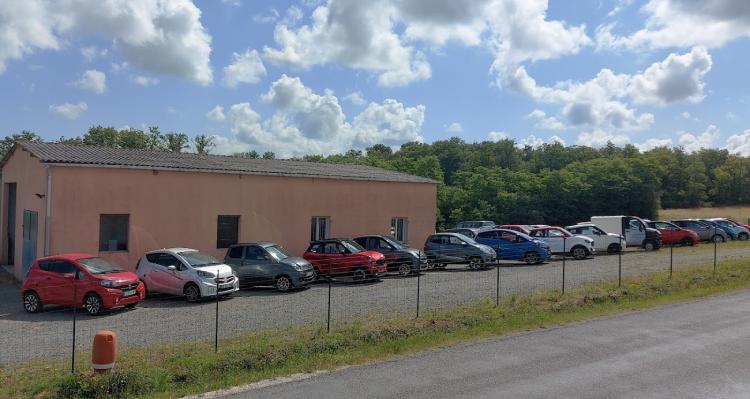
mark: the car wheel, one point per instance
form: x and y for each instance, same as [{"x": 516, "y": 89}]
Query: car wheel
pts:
[
  {"x": 717, "y": 238},
  {"x": 93, "y": 304},
  {"x": 531, "y": 258},
  {"x": 192, "y": 292},
  {"x": 283, "y": 284},
  {"x": 649, "y": 246},
  {"x": 130, "y": 306},
  {"x": 742, "y": 237},
  {"x": 441, "y": 266},
  {"x": 475, "y": 263},
  {"x": 614, "y": 248},
  {"x": 404, "y": 269},
  {"x": 687, "y": 242},
  {"x": 31, "y": 302},
  {"x": 360, "y": 275},
  {"x": 579, "y": 253}
]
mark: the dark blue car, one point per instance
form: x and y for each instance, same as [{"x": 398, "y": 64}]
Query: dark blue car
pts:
[{"x": 514, "y": 245}]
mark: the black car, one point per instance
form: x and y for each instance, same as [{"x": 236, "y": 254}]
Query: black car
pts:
[{"x": 398, "y": 256}]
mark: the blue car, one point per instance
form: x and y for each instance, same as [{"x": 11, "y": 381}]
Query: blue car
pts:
[
  {"x": 731, "y": 233},
  {"x": 514, "y": 245},
  {"x": 734, "y": 231}
]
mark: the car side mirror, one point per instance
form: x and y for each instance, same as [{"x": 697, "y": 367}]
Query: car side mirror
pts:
[
  {"x": 172, "y": 267},
  {"x": 69, "y": 276},
  {"x": 464, "y": 243}
]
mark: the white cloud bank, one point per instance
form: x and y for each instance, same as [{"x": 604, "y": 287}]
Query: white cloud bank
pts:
[
  {"x": 69, "y": 110},
  {"x": 93, "y": 81},
  {"x": 245, "y": 68},
  {"x": 163, "y": 36}
]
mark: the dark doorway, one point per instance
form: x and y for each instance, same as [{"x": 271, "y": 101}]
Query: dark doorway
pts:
[
  {"x": 10, "y": 188},
  {"x": 30, "y": 228}
]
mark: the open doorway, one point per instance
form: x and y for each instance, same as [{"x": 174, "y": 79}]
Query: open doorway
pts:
[{"x": 10, "y": 217}]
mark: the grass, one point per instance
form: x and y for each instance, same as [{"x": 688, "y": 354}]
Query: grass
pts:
[
  {"x": 168, "y": 371},
  {"x": 738, "y": 213}
]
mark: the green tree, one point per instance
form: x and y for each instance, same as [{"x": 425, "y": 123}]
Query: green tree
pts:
[
  {"x": 7, "y": 143},
  {"x": 154, "y": 139},
  {"x": 203, "y": 143},
  {"x": 176, "y": 142},
  {"x": 132, "y": 138},
  {"x": 249, "y": 154},
  {"x": 102, "y": 136},
  {"x": 269, "y": 155}
]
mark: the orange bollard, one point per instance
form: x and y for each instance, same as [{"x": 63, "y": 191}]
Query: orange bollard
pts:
[{"x": 104, "y": 351}]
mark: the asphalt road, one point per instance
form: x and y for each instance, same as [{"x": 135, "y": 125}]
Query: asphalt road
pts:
[
  {"x": 169, "y": 319},
  {"x": 693, "y": 350}
]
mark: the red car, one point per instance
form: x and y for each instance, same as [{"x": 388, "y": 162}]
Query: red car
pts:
[
  {"x": 337, "y": 257},
  {"x": 96, "y": 283},
  {"x": 671, "y": 234},
  {"x": 516, "y": 227}
]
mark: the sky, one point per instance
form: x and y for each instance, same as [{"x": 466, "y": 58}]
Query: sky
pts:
[{"x": 319, "y": 77}]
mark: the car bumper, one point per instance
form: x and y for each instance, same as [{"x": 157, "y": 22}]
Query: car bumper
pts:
[
  {"x": 115, "y": 298},
  {"x": 303, "y": 278},
  {"x": 208, "y": 288}
]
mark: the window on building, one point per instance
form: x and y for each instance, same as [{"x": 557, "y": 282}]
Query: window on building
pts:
[
  {"x": 320, "y": 228},
  {"x": 400, "y": 229},
  {"x": 228, "y": 231},
  {"x": 113, "y": 232}
]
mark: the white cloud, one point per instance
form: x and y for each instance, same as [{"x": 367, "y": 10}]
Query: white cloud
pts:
[
  {"x": 652, "y": 143},
  {"x": 91, "y": 53},
  {"x": 685, "y": 115},
  {"x": 677, "y": 78},
  {"x": 694, "y": 142},
  {"x": 730, "y": 115},
  {"x": 600, "y": 138},
  {"x": 144, "y": 81},
  {"x": 163, "y": 36},
  {"x": 307, "y": 122},
  {"x": 621, "y": 5},
  {"x": 216, "y": 114},
  {"x": 356, "y": 98},
  {"x": 545, "y": 122},
  {"x": 233, "y": 3},
  {"x": 93, "y": 81},
  {"x": 536, "y": 142},
  {"x": 497, "y": 136},
  {"x": 245, "y": 68},
  {"x": 739, "y": 143},
  {"x": 683, "y": 23},
  {"x": 68, "y": 110},
  {"x": 454, "y": 127}
]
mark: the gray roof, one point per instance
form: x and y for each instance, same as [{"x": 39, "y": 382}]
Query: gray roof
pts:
[{"x": 56, "y": 153}]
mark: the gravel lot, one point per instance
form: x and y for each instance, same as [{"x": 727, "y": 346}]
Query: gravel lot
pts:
[{"x": 166, "y": 319}]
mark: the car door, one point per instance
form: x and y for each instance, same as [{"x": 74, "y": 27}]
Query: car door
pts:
[
  {"x": 258, "y": 265},
  {"x": 508, "y": 243},
  {"x": 491, "y": 239},
  {"x": 557, "y": 241},
  {"x": 704, "y": 231},
  {"x": 634, "y": 232},
  {"x": 234, "y": 259},
  {"x": 378, "y": 244},
  {"x": 168, "y": 281},
  {"x": 455, "y": 248},
  {"x": 60, "y": 282}
]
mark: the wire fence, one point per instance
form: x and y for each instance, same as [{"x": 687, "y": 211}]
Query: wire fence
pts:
[{"x": 57, "y": 333}]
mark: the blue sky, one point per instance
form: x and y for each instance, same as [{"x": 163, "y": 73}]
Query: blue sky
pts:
[{"x": 315, "y": 76}]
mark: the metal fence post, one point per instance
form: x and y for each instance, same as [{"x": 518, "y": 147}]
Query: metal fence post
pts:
[
  {"x": 715, "y": 246},
  {"x": 328, "y": 320},
  {"x": 216, "y": 321},
  {"x": 497, "y": 285},
  {"x": 619, "y": 264},
  {"x": 671, "y": 260},
  {"x": 75, "y": 312},
  {"x": 565, "y": 248},
  {"x": 419, "y": 283}
]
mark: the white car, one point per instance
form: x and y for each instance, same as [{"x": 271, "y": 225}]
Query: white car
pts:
[
  {"x": 561, "y": 241},
  {"x": 603, "y": 241},
  {"x": 187, "y": 272}
]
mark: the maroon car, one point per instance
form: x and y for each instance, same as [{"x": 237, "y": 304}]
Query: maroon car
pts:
[{"x": 341, "y": 257}]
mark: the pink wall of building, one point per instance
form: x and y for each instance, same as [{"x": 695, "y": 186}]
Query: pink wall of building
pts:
[{"x": 180, "y": 209}]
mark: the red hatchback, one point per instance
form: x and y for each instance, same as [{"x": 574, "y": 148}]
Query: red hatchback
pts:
[
  {"x": 672, "y": 234},
  {"x": 96, "y": 283},
  {"x": 336, "y": 257}
]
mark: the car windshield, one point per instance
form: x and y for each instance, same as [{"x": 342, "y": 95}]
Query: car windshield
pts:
[
  {"x": 100, "y": 266},
  {"x": 199, "y": 259},
  {"x": 467, "y": 239},
  {"x": 394, "y": 243},
  {"x": 351, "y": 246},
  {"x": 277, "y": 252}
]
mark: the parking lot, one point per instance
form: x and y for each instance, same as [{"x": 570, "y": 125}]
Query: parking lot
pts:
[{"x": 163, "y": 319}]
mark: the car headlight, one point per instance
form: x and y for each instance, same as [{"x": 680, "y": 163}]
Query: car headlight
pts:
[
  {"x": 205, "y": 274},
  {"x": 107, "y": 283},
  {"x": 297, "y": 267}
]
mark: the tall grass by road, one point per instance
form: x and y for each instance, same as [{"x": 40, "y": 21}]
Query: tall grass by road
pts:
[
  {"x": 738, "y": 213},
  {"x": 168, "y": 371}
]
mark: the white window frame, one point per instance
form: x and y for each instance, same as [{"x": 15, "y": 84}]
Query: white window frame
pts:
[
  {"x": 403, "y": 234},
  {"x": 315, "y": 232}
]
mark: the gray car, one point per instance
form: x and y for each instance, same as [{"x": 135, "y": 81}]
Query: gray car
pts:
[
  {"x": 705, "y": 231},
  {"x": 444, "y": 248},
  {"x": 467, "y": 231},
  {"x": 398, "y": 256},
  {"x": 266, "y": 263}
]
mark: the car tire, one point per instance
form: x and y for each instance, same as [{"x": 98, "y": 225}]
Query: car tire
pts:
[
  {"x": 283, "y": 284},
  {"x": 687, "y": 242},
  {"x": 130, "y": 306},
  {"x": 579, "y": 253},
  {"x": 93, "y": 304},
  {"x": 31, "y": 302},
  {"x": 192, "y": 292},
  {"x": 404, "y": 269},
  {"x": 742, "y": 237},
  {"x": 532, "y": 258},
  {"x": 649, "y": 246},
  {"x": 441, "y": 266},
  {"x": 717, "y": 238},
  {"x": 359, "y": 274},
  {"x": 614, "y": 248},
  {"x": 475, "y": 263}
]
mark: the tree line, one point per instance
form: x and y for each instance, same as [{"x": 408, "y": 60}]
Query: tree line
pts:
[{"x": 501, "y": 181}]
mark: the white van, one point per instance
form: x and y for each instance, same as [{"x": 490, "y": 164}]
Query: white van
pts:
[{"x": 633, "y": 228}]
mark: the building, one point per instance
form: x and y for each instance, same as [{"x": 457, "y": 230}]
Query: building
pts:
[{"x": 120, "y": 203}]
